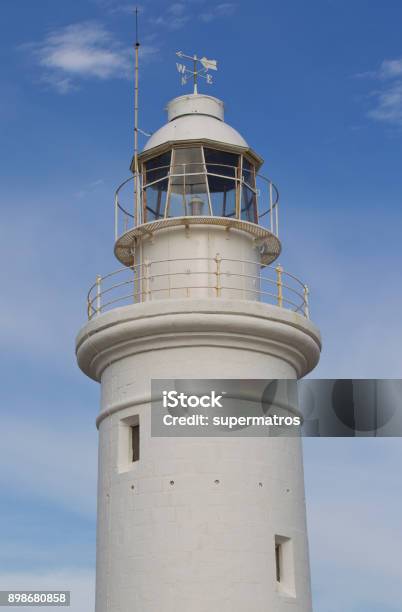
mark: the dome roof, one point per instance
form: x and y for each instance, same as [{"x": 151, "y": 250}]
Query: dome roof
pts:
[{"x": 196, "y": 117}]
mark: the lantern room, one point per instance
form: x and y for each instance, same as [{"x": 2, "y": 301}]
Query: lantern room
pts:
[
  {"x": 197, "y": 219},
  {"x": 197, "y": 165},
  {"x": 196, "y": 170},
  {"x": 198, "y": 180}
]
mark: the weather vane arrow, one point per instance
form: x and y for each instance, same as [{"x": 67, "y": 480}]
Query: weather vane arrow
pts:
[{"x": 201, "y": 67}]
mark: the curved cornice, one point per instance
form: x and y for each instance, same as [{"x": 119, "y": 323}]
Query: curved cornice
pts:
[{"x": 165, "y": 324}]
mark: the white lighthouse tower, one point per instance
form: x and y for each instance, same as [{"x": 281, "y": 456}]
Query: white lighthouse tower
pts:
[{"x": 197, "y": 524}]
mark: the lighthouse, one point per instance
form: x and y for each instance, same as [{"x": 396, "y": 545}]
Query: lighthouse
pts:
[{"x": 197, "y": 524}]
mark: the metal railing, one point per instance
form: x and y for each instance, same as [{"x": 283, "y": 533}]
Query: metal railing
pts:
[
  {"x": 209, "y": 277},
  {"x": 182, "y": 176}
]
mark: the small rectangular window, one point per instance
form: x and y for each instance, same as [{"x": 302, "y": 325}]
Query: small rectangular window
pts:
[
  {"x": 284, "y": 566},
  {"x": 135, "y": 442},
  {"x": 129, "y": 447},
  {"x": 278, "y": 562}
]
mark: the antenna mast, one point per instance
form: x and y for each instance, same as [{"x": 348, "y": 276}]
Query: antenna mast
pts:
[{"x": 136, "y": 182}]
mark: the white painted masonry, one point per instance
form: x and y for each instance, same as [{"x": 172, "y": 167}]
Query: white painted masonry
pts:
[
  {"x": 193, "y": 524},
  {"x": 195, "y": 117}
]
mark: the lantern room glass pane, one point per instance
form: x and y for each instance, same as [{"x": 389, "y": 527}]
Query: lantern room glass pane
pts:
[
  {"x": 248, "y": 196},
  {"x": 223, "y": 196},
  {"x": 155, "y": 200},
  {"x": 248, "y": 173},
  {"x": 222, "y": 169},
  {"x": 188, "y": 194},
  {"x": 157, "y": 168},
  {"x": 221, "y": 162},
  {"x": 155, "y": 181},
  {"x": 248, "y": 205}
]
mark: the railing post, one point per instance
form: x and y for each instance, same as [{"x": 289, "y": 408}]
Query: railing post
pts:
[
  {"x": 116, "y": 217},
  {"x": 98, "y": 293},
  {"x": 279, "y": 271},
  {"x": 184, "y": 191},
  {"x": 89, "y": 308},
  {"x": 271, "y": 212},
  {"x": 218, "y": 260},
  {"x": 147, "y": 280},
  {"x": 138, "y": 220},
  {"x": 277, "y": 219},
  {"x": 306, "y": 302},
  {"x": 135, "y": 288}
]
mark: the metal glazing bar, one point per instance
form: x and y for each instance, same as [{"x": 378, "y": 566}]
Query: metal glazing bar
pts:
[
  {"x": 184, "y": 190},
  {"x": 306, "y": 302},
  {"x": 271, "y": 212},
  {"x": 98, "y": 293},
  {"x": 206, "y": 182}
]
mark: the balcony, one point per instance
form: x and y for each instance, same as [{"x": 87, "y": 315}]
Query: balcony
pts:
[
  {"x": 197, "y": 189},
  {"x": 198, "y": 277}
]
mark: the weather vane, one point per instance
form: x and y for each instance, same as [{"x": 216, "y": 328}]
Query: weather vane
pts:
[{"x": 201, "y": 67}]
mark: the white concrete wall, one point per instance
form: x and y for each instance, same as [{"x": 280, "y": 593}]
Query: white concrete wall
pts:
[
  {"x": 198, "y": 545},
  {"x": 194, "y": 275},
  {"x": 207, "y": 541}
]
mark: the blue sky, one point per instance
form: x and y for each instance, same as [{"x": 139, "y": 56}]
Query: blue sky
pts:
[{"x": 316, "y": 88}]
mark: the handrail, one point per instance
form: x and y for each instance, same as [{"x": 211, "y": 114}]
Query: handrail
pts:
[
  {"x": 142, "y": 275},
  {"x": 264, "y": 190}
]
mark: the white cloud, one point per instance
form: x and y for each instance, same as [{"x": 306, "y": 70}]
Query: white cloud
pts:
[
  {"x": 115, "y": 7},
  {"x": 220, "y": 10},
  {"x": 171, "y": 21},
  {"x": 82, "y": 51},
  {"x": 388, "y": 97},
  {"x": 391, "y": 68},
  {"x": 389, "y": 104},
  {"x": 89, "y": 189},
  {"x": 177, "y": 8},
  {"x": 178, "y": 14},
  {"x": 81, "y": 585}
]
